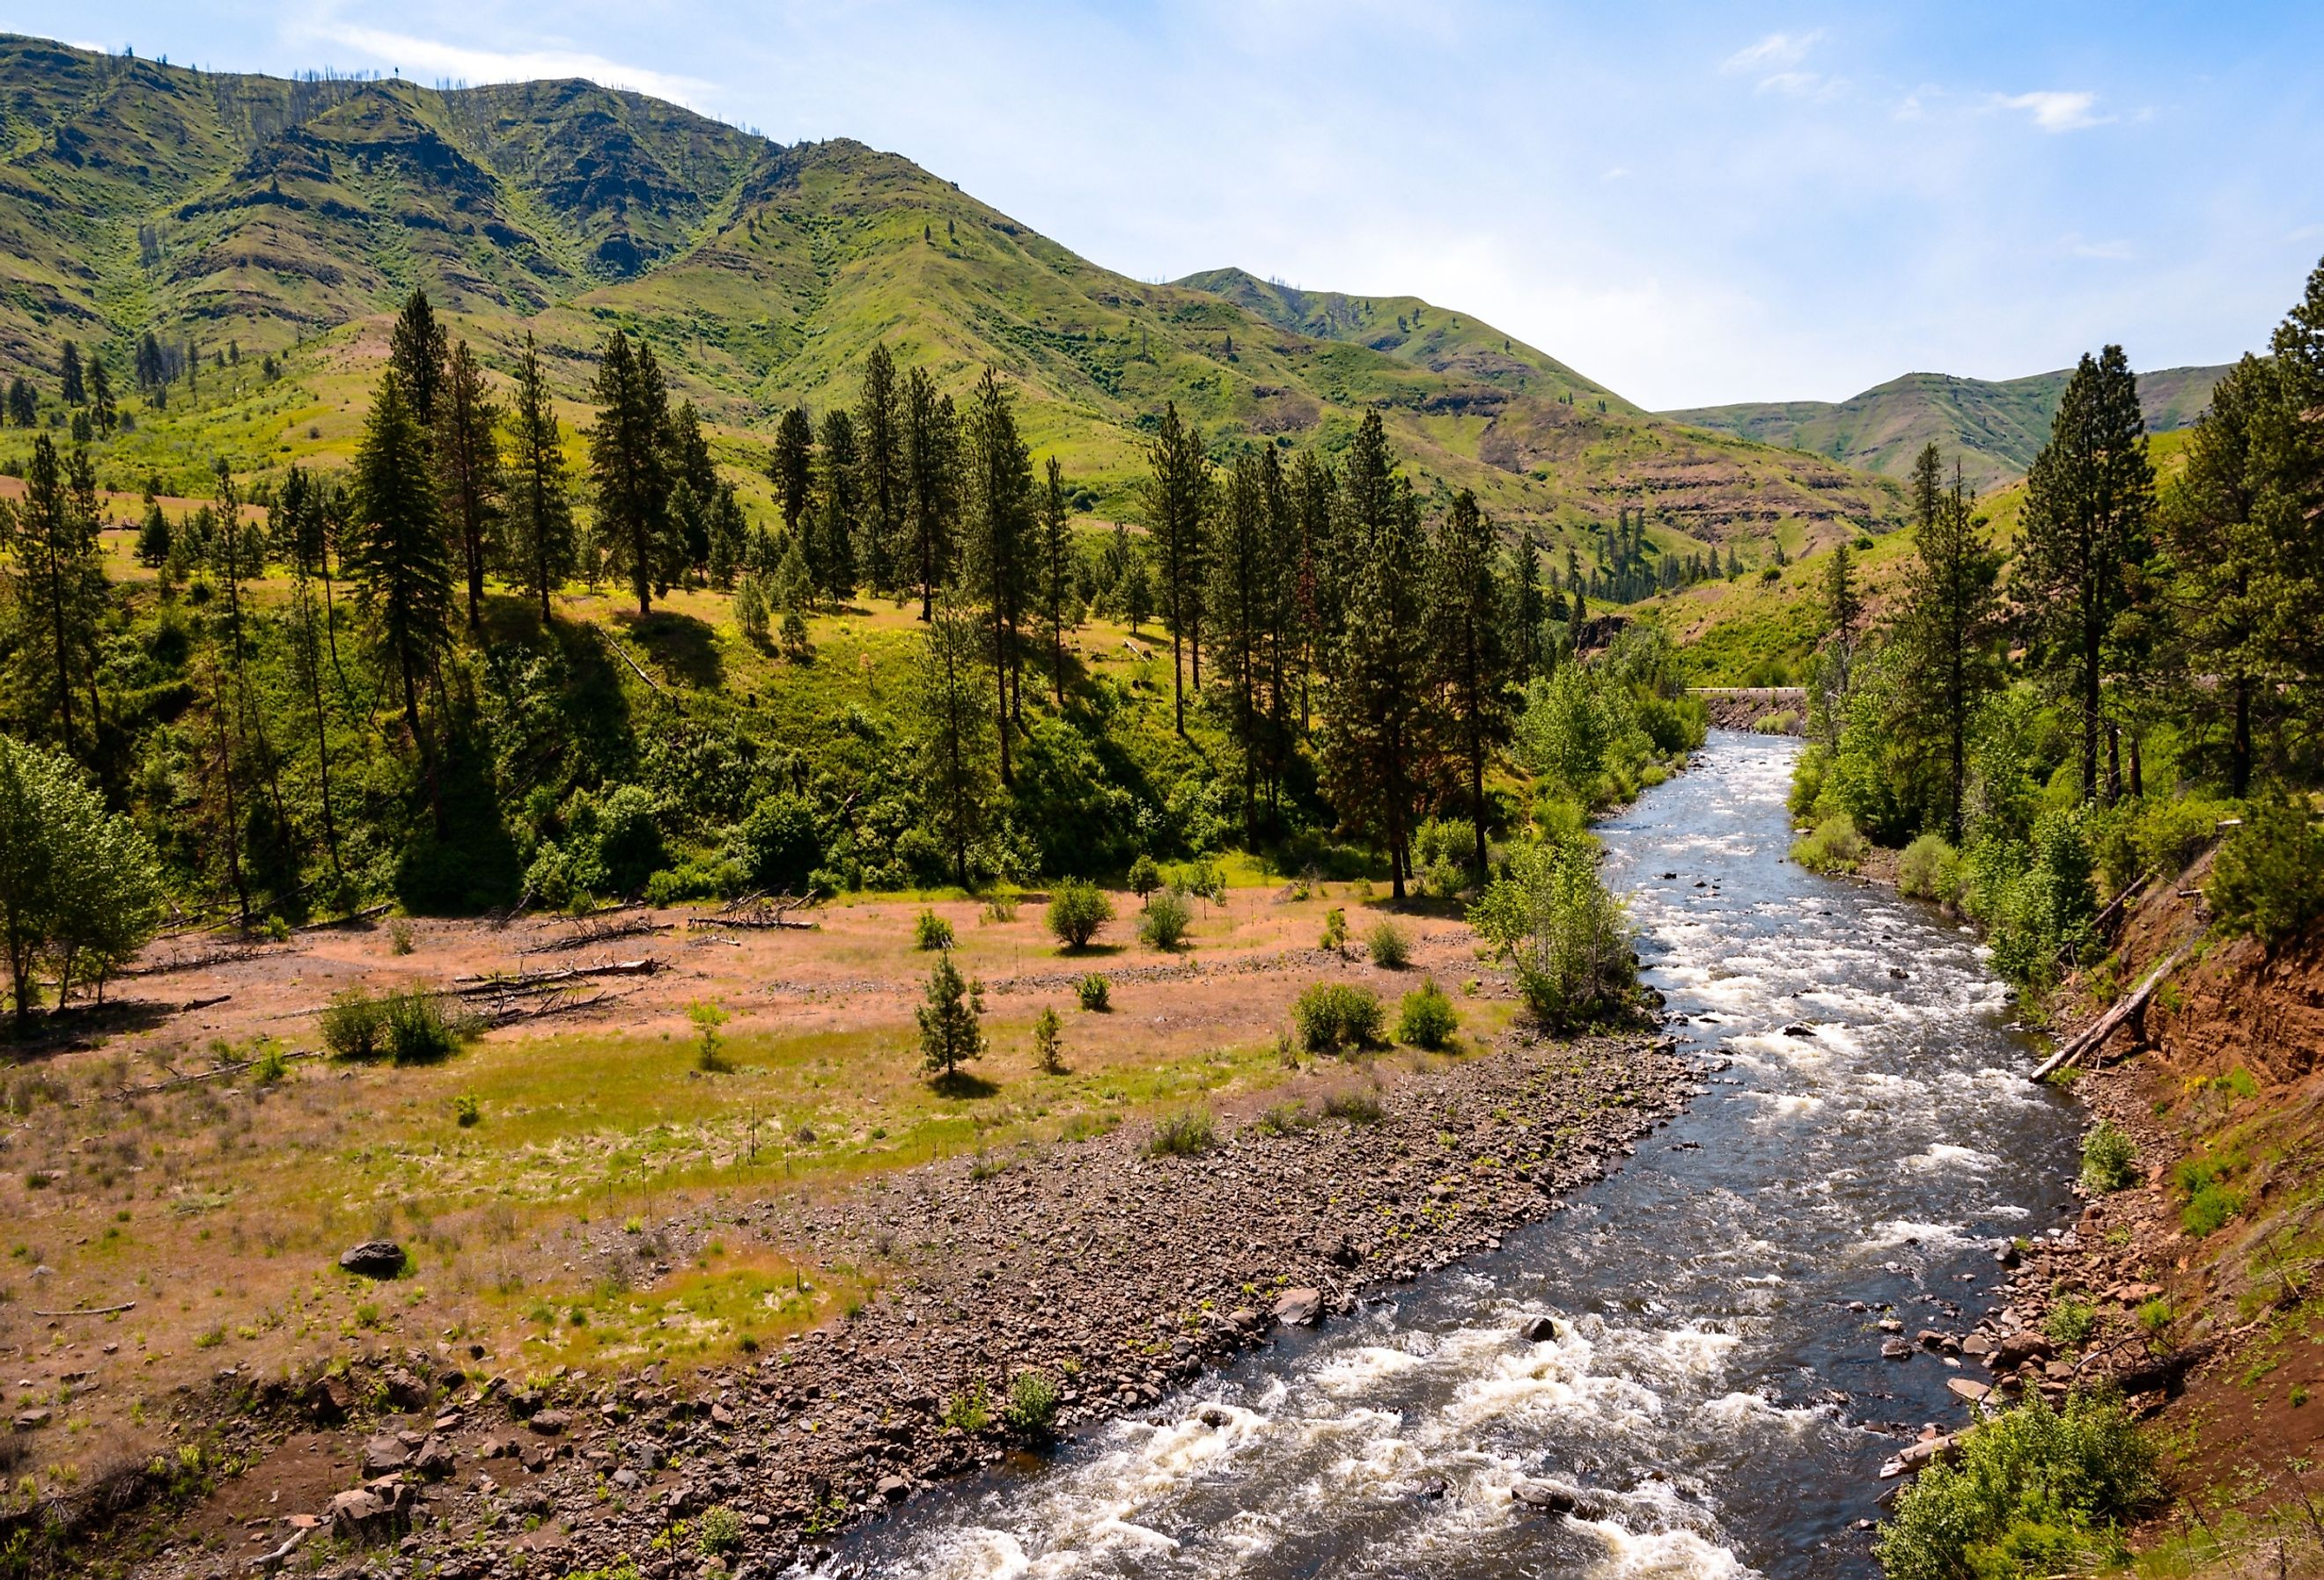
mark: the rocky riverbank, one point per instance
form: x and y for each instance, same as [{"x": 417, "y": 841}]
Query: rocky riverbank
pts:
[{"x": 1114, "y": 1273}]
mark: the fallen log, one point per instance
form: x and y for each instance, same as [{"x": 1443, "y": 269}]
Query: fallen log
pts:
[
  {"x": 594, "y": 932},
  {"x": 353, "y": 917},
  {"x": 534, "y": 981},
  {"x": 2097, "y": 1032},
  {"x": 209, "y": 1074},
  {"x": 557, "y": 1003},
  {"x": 91, "y": 1310}
]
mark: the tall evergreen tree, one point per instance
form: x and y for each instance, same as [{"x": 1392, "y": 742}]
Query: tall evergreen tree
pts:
[
  {"x": 1466, "y": 608},
  {"x": 469, "y": 469},
  {"x": 418, "y": 352},
  {"x": 56, "y": 588},
  {"x": 2288, "y": 452},
  {"x": 2089, "y": 502},
  {"x": 540, "y": 547},
  {"x": 882, "y": 486},
  {"x": 838, "y": 505},
  {"x": 1177, "y": 494},
  {"x": 1000, "y": 560},
  {"x": 1947, "y": 624},
  {"x": 956, "y": 736},
  {"x": 1843, "y": 608},
  {"x": 695, "y": 487},
  {"x": 69, "y": 387},
  {"x": 791, "y": 469},
  {"x": 1376, "y": 727},
  {"x": 1527, "y": 608},
  {"x": 102, "y": 413},
  {"x": 1321, "y": 568},
  {"x": 932, "y": 488},
  {"x": 396, "y": 553},
  {"x": 1053, "y": 545},
  {"x": 1239, "y": 599},
  {"x": 628, "y": 463}
]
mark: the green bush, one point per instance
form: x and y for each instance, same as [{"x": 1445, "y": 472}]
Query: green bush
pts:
[
  {"x": 969, "y": 1410},
  {"x": 1048, "y": 1041},
  {"x": 1165, "y": 922},
  {"x": 2109, "y": 1159},
  {"x": 2070, "y": 1323},
  {"x": 2269, "y": 879},
  {"x": 1335, "y": 930},
  {"x": 353, "y": 1025},
  {"x": 1032, "y": 1407},
  {"x": 467, "y": 1109},
  {"x": 1335, "y": 1015},
  {"x": 1077, "y": 911},
  {"x": 1145, "y": 878},
  {"x": 1094, "y": 993},
  {"x": 1930, "y": 868},
  {"x": 2209, "y": 1209},
  {"x": 423, "y": 1026},
  {"x": 718, "y": 1532},
  {"x": 2034, "y": 897},
  {"x": 777, "y": 846},
  {"x": 2035, "y": 1492},
  {"x": 1182, "y": 1134},
  {"x": 1835, "y": 847},
  {"x": 1354, "y": 1105},
  {"x": 1426, "y": 1019},
  {"x": 1389, "y": 945},
  {"x": 931, "y": 931},
  {"x": 1567, "y": 937}
]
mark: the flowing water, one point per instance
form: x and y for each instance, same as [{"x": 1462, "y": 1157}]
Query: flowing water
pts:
[{"x": 1710, "y": 1391}]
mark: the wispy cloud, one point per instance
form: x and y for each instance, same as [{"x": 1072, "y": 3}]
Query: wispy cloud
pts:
[
  {"x": 1777, "y": 48},
  {"x": 2074, "y": 244},
  {"x": 429, "y": 58},
  {"x": 2054, "y": 110}
]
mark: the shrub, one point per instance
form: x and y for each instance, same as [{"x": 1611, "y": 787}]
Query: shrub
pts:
[
  {"x": 1182, "y": 1134},
  {"x": 466, "y": 1110},
  {"x": 2269, "y": 879},
  {"x": 1566, "y": 935},
  {"x": 2070, "y": 1323},
  {"x": 1333, "y": 1015},
  {"x": 718, "y": 1532},
  {"x": 399, "y": 936},
  {"x": 1166, "y": 921},
  {"x": 1282, "y": 1119},
  {"x": 1094, "y": 993},
  {"x": 353, "y": 1026},
  {"x": 2109, "y": 1159},
  {"x": 1077, "y": 911},
  {"x": 2210, "y": 1206},
  {"x": 1000, "y": 905},
  {"x": 1389, "y": 945},
  {"x": 1930, "y": 868},
  {"x": 270, "y": 1066},
  {"x": 1048, "y": 1045},
  {"x": 931, "y": 931},
  {"x": 1032, "y": 1407},
  {"x": 1335, "y": 930},
  {"x": 709, "y": 1048},
  {"x": 969, "y": 1410},
  {"x": 1835, "y": 847},
  {"x": 2035, "y": 1492},
  {"x": 778, "y": 844},
  {"x": 1354, "y": 1105},
  {"x": 422, "y": 1026},
  {"x": 1426, "y": 1019},
  {"x": 1145, "y": 878}
]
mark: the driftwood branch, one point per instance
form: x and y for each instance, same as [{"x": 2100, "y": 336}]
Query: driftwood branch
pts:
[
  {"x": 760, "y": 911},
  {"x": 2098, "y": 1030},
  {"x": 209, "y": 1074},
  {"x": 535, "y": 981},
  {"x": 562, "y": 1001},
  {"x": 91, "y": 1310},
  {"x": 622, "y": 654}
]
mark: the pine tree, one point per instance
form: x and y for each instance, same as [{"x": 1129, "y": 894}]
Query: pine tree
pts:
[
  {"x": 23, "y": 402},
  {"x": 1054, "y": 544},
  {"x": 69, "y": 387},
  {"x": 1842, "y": 606},
  {"x": 540, "y": 547},
  {"x": 950, "y": 1019},
  {"x": 396, "y": 554},
  {"x": 931, "y": 487},
  {"x": 102, "y": 413},
  {"x": 1466, "y": 610},
  {"x": 838, "y": 475},
  {"x": 417, "y": 350},
  {"x": 2089, "y": 501},
  {"x": 791, "y": 469},
  {"x": 56, "y": 597},
  {"x": 1527, "y": 608},
  {"x": 1946, "y": 626},
  {"x": 1001, "y": 558},
  {"x": 1176, "y": 495},
  {"x": 1239, "y": 599},
  {"x": 1376, "y": 726},
  {"x": 2288, "y": 455},
  {"x": 883, "y": 487},
  {"x": 627, "y": 462},
  {"x": 694, "y": 488},
  {"x": 468, "y": 468},
  {"x": 955, "y": 738}
]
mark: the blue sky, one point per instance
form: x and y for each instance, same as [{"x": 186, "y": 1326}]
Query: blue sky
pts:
[{"x": 1690, "y": 203}]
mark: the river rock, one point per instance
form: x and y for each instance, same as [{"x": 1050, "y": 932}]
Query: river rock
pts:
[
  {"x": 1539, "y": 1330},
  {"x": 2014, "y": 1350},
  {"x": 1967, "y": 1389},
  {"x": 385, "y": 1455},
  {"x": 1299, "y": 1307},
  {"x": 373, "y": 1258},
  {"x": 1542, "y": 1496},
  {"x": 1896, "y": 1349}
]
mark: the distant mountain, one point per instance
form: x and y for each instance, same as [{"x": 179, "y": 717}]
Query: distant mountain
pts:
[
  {"x": 1996, "y": 427},
  {"x": 292, "y": 215}
]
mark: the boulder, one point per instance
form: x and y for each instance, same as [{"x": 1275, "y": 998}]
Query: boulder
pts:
[
  {"x": 434, "y": 1460},
  {"x": 385, "y": 1455},
  {"x": 1539, "y": 1330},
  {"x": 1542, "y": 1496},
  {"x": 373, "y": 1258},
  {"x": 330, "y": 1399},
  {"x": 892, "y": 1488},
  {"x": 2012, "y": 1351},
  {"x": 405, "y": 1391},
  {"x": 1896, "y": 1349},
  {"x": 360, "y": 1515},
  {"x": 1299, "y": 1307},
  {"x": 1967, "y": 1389},
  {"x": 549, "y": 1423}
]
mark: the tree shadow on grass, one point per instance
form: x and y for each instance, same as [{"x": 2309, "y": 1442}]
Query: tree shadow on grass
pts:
[
  {"x": 683, "y": 644},
  {"x": 961, "y": 1084},
  {"x": 1092, "y": 951}
]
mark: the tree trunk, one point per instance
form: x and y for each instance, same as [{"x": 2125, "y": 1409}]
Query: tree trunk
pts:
[{"x": 2239, "y": 754}]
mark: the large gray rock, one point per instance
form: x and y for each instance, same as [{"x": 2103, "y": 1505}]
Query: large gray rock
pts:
[
  {"x": 373, "y": 1258},
  {"x": 1299, "y": 1307}
]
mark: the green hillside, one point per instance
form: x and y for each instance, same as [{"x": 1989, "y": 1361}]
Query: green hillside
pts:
[
  {"x": 288, "y": 216},
  {"x": 1997, "y": 427}
]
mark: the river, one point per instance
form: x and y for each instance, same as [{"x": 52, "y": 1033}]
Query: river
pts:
[{"x": 1865, "y": 1132}]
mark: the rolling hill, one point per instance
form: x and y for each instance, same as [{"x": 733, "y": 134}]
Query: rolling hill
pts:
[
  {"x": 288, "y": 216},
  {"x": 1997, "y": 427}
]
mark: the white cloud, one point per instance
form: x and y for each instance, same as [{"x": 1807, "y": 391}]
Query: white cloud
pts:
[
  {"x": 431, "y": 58},
  {"x": 1777, "y": 48},
  {"x": 2054, "y": 110},
  {"x": 2074, "y": 244}
]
